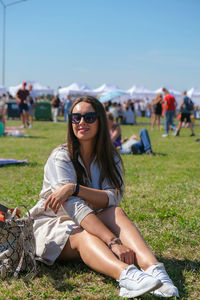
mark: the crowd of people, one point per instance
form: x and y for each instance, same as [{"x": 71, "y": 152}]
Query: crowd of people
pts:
[{"x": 163, "y": 106}]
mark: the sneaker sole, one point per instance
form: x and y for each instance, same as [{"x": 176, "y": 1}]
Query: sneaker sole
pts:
[{"x": 131, "y": 294}]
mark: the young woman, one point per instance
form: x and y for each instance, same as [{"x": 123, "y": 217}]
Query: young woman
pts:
[
  {"x": 157, "y": 111},
  {"x": 78, "y": 214}
]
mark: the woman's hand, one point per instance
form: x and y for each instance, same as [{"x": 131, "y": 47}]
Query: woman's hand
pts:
[
  {"x": 18, "y": 212},
  {"x": 123, "y": 253},
  {"x": 59, "y": 196}
]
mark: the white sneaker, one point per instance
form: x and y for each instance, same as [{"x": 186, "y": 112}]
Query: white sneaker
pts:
[
  {"x": 165, "y": 135},
  {"x": 30, "y": 126},
  {"x": 176, "y": 133},
  {"x": 167, "y": 289},
  {"x": 22, "y": 126},
  {"x": 134, "y": 282}
]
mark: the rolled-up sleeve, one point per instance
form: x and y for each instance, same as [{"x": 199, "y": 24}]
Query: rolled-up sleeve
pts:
[
  {"x": 77, "y": 209},
  {"x": 59, "y": 171}
]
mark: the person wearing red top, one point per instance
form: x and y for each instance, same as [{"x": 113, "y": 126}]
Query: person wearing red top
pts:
[{"x": 169, "y": 111}]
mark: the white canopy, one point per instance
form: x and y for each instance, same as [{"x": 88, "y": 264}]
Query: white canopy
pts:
[
  {"x": 141, "y": 92},
  {"x": 194, "y": 94},
  {"x": 37, "y": 87},
  {"x": 2, "y": 90},
  {"x": 76, "y": 89},
  {"x": 106, "y": 88}
]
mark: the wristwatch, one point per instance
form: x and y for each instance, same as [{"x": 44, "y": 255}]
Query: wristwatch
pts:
[{"x": 76, "y": 190}]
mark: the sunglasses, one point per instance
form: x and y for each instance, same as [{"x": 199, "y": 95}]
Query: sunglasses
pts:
[{"x": 89, "y": 117}]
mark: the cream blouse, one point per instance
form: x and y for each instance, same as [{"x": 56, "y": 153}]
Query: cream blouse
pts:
[{"x": 52, "y": 230}]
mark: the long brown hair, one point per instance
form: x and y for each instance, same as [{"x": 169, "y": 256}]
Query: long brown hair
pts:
[
  {"x": 157, "y": 99},
  {"x": 104, "y": 149}
]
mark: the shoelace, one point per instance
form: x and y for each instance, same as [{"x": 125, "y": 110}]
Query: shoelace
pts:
[{"x": 136, "y": 274}]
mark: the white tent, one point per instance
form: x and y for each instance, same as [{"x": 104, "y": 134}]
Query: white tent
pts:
[
  {"x": 194, "y": 94},
  {"x": 75, "y": 90},
  {"x": 141, "y": 93},
  {"x": 106, "y": 88},
  {"x": 37, "y": 87},
  {"x": 2, "y": 90}
]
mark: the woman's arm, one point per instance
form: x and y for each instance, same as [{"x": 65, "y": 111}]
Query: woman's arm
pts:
[
  {"x": 116, "y": 133},
  {"x": 92, "y": 224},
  {"x": 98, "y": 199}
]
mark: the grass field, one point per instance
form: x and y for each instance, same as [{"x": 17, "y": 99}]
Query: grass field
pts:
[{"x": 161, "y": 197}]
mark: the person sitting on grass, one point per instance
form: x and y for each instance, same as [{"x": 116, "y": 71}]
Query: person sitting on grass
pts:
[
  {"x": 9, "y": 131},
  {"x": 2, "y": 125},
  {"x": 78, "y": 215},
  {"x": 133, "y": 145}
]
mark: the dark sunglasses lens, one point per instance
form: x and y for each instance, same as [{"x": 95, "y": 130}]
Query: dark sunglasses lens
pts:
[
  {"x": 75, "y": 118},
  {"x": 90, "y": 117}
]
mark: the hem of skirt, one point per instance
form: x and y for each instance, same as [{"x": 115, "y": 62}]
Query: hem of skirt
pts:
[{"x": 53, "y": 260}]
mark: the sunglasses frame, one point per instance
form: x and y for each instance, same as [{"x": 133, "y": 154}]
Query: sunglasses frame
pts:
[{"x": 92, "y": 113}]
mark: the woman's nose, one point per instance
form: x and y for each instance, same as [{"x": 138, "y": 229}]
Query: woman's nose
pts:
[{"x": 82, "y": 121}]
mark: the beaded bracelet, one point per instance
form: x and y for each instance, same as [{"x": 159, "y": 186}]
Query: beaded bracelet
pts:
[{"x": 114, "y": 242}]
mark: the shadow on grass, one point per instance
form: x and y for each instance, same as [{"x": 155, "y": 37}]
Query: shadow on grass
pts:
[
  {"x": 175, "y": 268},
  {"x": 58, "y": 273},
  {"x": 160, "y": 154},
  {"x": 26, "y": 137},
  {"x": 36, "y": 137},
  {"x": 30, "y": 164},
  {"x": 62, "y": 275}
]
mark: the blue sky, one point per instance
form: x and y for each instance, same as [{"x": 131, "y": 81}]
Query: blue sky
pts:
[{"x": 152, "y": 43}]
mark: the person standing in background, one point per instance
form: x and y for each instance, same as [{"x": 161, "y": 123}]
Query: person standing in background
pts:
[
  {"x": 169, "y": 111},
  {"x": 186, "y": 108},
  {"x": 31, "y": 104},
  {"x": 67, "y": 105},
  {"x": 21, "y": 97},
  {"x": 157, "y": 111},
  {"x": 55, "y": 103}
]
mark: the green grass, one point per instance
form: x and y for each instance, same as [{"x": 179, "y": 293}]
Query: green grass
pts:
[{"x": 161, "y": 197}]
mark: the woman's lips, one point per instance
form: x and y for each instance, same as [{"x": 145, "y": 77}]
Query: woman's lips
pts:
[{"x": 82, "y": 130}]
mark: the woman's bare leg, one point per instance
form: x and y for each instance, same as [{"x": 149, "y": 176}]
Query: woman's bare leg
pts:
[
  {"x": 117, "y": 221},
  {"x": 153, "y": 121},
  {"x": 158, "y": 122},
  {"x": 94, "y": 252}
]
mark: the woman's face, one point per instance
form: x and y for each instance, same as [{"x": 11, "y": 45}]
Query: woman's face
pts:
[{"x": 85, "y": 131}]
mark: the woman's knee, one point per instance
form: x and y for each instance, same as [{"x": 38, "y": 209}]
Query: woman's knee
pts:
[
  {"x": 119, "y": 212},
  {"x": 113, "y": 210},
  {"x": 75, "y": 237},
  {"x": 78, "y": 237},
  {"x": 111, "y": 215}
]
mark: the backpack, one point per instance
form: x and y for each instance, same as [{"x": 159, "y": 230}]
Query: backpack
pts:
[{"x": 188, "y": 104}]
